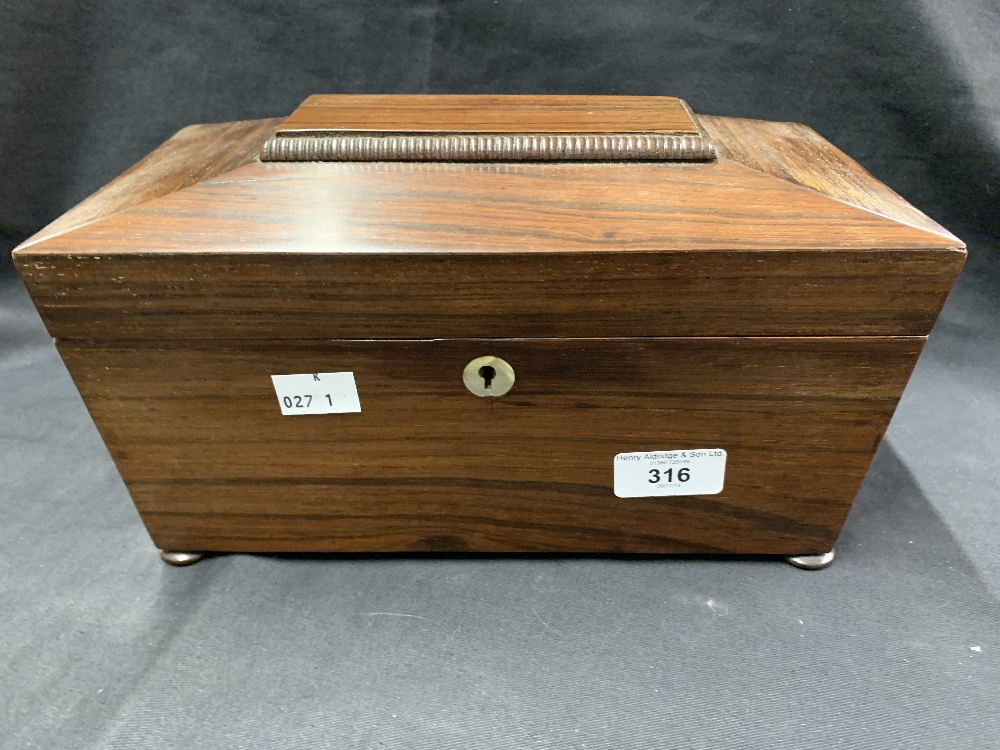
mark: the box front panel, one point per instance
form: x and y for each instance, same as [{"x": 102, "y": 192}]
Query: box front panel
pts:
[{"x": 198, "y": 433}]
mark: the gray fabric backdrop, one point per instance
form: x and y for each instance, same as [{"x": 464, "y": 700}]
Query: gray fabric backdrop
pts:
[{"x": 896, "y": 646}]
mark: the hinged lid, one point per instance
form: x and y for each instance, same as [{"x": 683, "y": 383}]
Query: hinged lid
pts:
[
  {"x": 780, "y": 235},
  {"x": 419, "y": 127}
]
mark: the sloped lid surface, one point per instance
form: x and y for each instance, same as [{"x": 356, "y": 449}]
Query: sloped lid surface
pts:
[
  {"x": 774, "y": 186},
  {"x": 337, "y": 208}
]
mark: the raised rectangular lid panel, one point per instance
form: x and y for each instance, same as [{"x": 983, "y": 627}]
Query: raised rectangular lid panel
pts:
[
  {"x": 479, "y": 113},
  {"x": 420, "y": 127}
]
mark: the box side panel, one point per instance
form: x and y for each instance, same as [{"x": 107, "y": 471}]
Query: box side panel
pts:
[
  {"x": 198, "y": 435},
  {"x": 416, "y": 295}
]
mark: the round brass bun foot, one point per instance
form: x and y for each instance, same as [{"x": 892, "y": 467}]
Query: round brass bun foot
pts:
[
  {"x": 180, "y": 559},
  {"x": 812, "y": 562}
]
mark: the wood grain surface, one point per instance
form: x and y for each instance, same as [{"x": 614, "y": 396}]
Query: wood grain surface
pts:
[
  {"x": 487, "y": 113},
  {"x": 304, "y": 250},
  {"x": 212, "y": 465},
  {"x": 798, "y": 154},
  {"x": 177, "y": 296},
  {"x": 490, "y": 208},
  {"x": 198, "y": 152}
]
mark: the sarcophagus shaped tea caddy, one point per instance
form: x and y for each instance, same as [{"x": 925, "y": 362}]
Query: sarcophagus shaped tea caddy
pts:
[{"x": 492, "y": 323}]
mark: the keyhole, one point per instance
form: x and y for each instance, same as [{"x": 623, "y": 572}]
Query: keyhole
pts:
[
  {"x": 487, "y": 373},
  {"x": 488, "y": 377}
]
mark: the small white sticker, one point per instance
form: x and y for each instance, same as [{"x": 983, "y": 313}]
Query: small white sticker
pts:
[
  {"x": 663, "y": 473},
  {"x": 317, "y": 393}
]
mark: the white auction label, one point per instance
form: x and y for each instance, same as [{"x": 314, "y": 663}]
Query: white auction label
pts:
[
  {"x": 663, "y": 473},
  {"x": 317, "y": 393}
]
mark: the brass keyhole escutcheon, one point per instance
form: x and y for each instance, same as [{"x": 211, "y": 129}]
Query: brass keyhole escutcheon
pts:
[{"x": 488, "y": 377}]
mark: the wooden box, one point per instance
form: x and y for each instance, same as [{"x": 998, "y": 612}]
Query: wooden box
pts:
[{"x": 707, "y": 321}]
